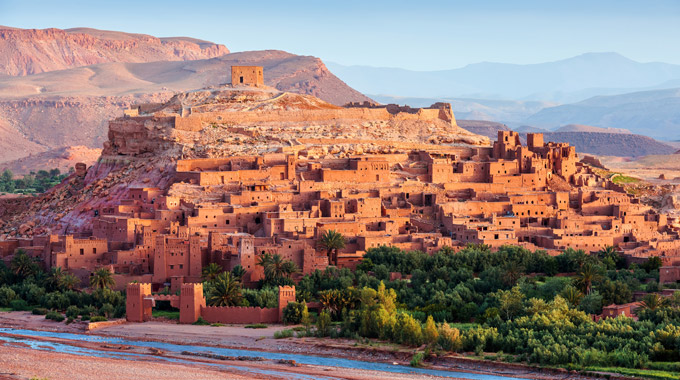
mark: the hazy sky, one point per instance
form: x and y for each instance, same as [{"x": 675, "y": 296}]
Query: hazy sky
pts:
[{"x": 419, "y": 35}]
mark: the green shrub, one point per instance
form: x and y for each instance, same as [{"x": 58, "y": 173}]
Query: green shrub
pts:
[
  {"x": 201, "y": 322},
  {"x": 72, "y": 312},
  {"x": 256, "y": 326},
  {"x": 292, "y": 313},
  {"x": 19, "y": 305},
  {"x": 323, "y": 324},
  {"x": 55, "y": 316},
  {"x": 449, "y": 338},
  {"x": 283, "y": 334},
  {"x": 417, "y": 359},
  {"x": 7, "y": 295},
  {"x": 39, "y": 311},
  {"x": 98, "y": 318}
]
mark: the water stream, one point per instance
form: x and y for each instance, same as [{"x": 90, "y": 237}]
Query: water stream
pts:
[{"x": 178, "y": 348}]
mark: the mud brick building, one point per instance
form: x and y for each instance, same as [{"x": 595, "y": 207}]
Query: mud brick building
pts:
[{"x": 231, "y": 210}]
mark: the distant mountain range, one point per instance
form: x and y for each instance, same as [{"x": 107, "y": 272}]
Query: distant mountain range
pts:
[
  {"x": 596, "y": 89},
  {"x": 565, "y": 81},
  {"x": 651, "y": 113}
]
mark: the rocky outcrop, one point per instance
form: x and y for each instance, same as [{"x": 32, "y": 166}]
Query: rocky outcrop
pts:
[{"x": 33, "y": 51}]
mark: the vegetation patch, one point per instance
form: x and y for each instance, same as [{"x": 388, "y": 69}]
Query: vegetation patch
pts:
[
  {"x": 167, "y": 314},
  {"x": 256, "y": 326}
]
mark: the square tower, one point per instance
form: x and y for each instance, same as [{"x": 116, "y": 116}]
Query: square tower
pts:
[{"x": 247, "y": 75}]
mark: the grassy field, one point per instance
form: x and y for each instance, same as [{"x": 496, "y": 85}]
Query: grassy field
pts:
[
  {"x": 5, "y": 309},
  {"x": 166, "y": 314},
  {"x": 620, "y": 179}
]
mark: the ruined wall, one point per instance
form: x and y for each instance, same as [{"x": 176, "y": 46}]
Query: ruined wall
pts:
[{"x": 195, "y": 121}]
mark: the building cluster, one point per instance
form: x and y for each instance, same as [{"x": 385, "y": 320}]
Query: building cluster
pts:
[{"x": 232, "y": 210}]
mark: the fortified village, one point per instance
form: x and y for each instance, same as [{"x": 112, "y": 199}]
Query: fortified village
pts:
[{"x": 224, "y": 175}]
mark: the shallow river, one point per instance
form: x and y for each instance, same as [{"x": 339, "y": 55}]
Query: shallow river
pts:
[{"x": 179, "y": 348}]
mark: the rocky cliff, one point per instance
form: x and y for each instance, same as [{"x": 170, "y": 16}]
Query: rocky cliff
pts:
[{"x": 33, "y": 51}]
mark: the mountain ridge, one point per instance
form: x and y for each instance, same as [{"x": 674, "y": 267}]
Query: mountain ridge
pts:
[{"x": 33, "y": 51}]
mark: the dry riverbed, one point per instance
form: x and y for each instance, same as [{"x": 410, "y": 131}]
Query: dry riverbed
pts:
[{"x": 18, "y": 362}]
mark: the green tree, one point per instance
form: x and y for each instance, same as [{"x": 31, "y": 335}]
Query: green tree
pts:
[
  {"x": 430, "y": 332},
  {"x": 23, "y": 265},
  {"x": 305, "y": 319},
  {"x": 653, "y": 302},
  {"x": 69, "y": 281},
  {"x": 264, "y": 260},
  {"x": 407, "y": 330},
  {"x": 592, "y": 303},
  {"x": 323, "y": 324},
  {"x": 102, "y": 278},
  {"x": 277, "y": 268},
  {"x": 449, "y": 338},
  {"x": 586, "y": 276},
  {"x": 238, "y": 272},
  {"x": 210, "y": 272},
  {"x": 572, "y": 295},
  {"x": 226, "y": 291},
  {"x": 54, "y": 280},
  {"x": 510, "y": 302},
  {"x": 332, "y": 242},
  {"x": 652, "y": 263}
]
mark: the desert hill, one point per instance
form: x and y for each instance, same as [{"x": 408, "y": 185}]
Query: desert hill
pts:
[
  {"x": 61, "y": 158},
  {"x": 482, "y": 127},
  {"x": 33, "y": 51},
  {"x": 71, "y": 107},
  {"x": 589, "y": 128},
  {"x": 611, "y": 144}
]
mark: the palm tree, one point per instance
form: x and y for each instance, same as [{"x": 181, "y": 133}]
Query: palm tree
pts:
[
  {"x": 587, "y": 275},
  {"x": 210, "y": 272},
  {"x": 572, "y": 295},
  {"x": 69, "y": 281},
  {"x": 238, "y": 272},
  {"x": 513, "y": 272},
  {"x": 23, "y": 265},
  {"x": 653, "y": 302},
  {"x": 279, "y": 268},
  {"x": 331, "y": 241},
  {"x": 610, "y": 253},
  {"x": 55, "y": 278},
  {"x": 264, "y": 260},
  {"x": 102, "y": 278},
  {"x": 226, "y": 292}
]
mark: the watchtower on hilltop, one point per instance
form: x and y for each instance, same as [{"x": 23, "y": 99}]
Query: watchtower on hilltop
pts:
[{"x": 247, "y": 75}]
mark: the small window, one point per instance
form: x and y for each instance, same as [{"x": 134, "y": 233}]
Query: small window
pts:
[{"x": 82, "y": 251}]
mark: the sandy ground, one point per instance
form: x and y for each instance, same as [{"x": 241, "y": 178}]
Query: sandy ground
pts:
[
  {"x": 251, "y": 339},
  {"x": 23, "y": 363}
]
